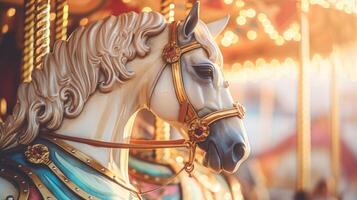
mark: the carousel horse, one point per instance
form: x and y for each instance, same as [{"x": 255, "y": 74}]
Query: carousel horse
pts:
[
  {"x": 69, "y": 134},
  {"x": 150, "y": 169}
]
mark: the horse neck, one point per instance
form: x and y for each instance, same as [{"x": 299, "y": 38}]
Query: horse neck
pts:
[
  {"x": 105, "y": 118},
  {"x": 109, "y": 116}
]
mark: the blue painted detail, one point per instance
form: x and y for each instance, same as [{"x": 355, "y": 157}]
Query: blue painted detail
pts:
[
  {"x": 150, "y": 168},
  {"x": 59, "y": 190},
  {"x": 78, "y": 172}
]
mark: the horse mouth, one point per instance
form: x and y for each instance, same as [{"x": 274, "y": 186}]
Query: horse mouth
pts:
[{"x": 212, "y": 158}]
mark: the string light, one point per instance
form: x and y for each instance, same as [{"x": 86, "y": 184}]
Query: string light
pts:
[
  {"x": 347, "y": 6},
  {"x": 52, "y": 16},
  {"x": 251, "y": 13},
  {"x": 11, "y": 12},
  {"x": 240, "y": 4},
  {"x": 241, "y": 20},
  {"x": 5, "y": 28},
  {"x": 229, "y": 38},
  {"x": 84, "y": 21},
  {"x": 251, "y": 35},
  {"x": 228, "y": 2},
  {"x": 3, "y": 106},
  {"x": 147, "y": 9}
]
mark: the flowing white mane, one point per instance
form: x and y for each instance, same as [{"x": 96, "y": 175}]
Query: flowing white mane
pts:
[{"x": 75, "y": 69}]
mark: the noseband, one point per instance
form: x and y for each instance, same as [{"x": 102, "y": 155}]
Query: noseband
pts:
[{"x": 198, "y": 127}]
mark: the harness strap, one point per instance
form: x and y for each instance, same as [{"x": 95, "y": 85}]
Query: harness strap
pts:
[{"x": 134, "y": 144}]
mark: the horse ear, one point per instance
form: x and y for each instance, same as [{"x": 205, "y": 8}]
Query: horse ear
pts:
[
  {"x": 191, "y": 20},
  {"x": 216, "y": 27}
]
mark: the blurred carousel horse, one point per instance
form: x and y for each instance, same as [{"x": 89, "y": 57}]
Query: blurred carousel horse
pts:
[
  {"x": 152, "y": 169},
  {"x": 69, "y": 134}
]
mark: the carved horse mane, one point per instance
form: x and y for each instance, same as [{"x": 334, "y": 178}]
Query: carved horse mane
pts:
[{"x": 60, "y": 89}]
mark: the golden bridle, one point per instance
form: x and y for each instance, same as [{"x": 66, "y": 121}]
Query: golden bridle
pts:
[{"x": 198, "y": 127}]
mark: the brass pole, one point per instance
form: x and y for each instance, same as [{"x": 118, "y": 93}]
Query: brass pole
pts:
[
  {"x": 303, "y": 111},
  {"x": 335, "y": 128},
  {"x": 61, "y": 20},
  {"x": 28, "y": 48},
  {"x": 42, "y": 31},
  {"x": 162, "y": 132}
]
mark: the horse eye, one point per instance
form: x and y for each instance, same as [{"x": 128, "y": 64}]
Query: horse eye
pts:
[{"x": 204, "y": 71}]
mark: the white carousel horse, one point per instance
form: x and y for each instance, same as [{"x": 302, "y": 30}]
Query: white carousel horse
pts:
[{"x": 92, "y": 85}]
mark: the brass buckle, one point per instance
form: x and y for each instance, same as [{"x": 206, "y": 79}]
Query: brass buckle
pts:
[
  {"x": 240, "y": 108},
  {"x": 171, "y": 52},
  {"x": 198, "y": 130}
]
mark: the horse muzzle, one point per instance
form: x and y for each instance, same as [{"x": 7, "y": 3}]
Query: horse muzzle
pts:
[{"x": 225, "y": 147}]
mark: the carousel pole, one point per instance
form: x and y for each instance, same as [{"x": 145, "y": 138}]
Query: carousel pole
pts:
[
  {"x": 61, "y": 20},
  {"x": 28, "y": 48},
  {"x": 303, "y": 112},
  {"x": 42, "y": 31},
  {"x": 335, "y": 128},
  {"x": 162, "y": 128}
]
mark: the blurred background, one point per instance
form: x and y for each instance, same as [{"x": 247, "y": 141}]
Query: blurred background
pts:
[{"x": 291, "y": 63}]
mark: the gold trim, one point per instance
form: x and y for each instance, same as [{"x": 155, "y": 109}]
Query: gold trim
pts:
[
  {"x": 46, "y": 194},
  {"x": 90, "y": 162},
  {"x": 23, "y": 186},
  {"x": 39, "y": 154}
]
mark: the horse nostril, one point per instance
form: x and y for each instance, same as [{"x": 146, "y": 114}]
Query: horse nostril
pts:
[{"x": 238, "y": 151}]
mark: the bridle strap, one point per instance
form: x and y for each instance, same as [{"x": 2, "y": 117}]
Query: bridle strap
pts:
[
  {"x": 172, "y": 54},
  {"x": 134, "y": 144}
]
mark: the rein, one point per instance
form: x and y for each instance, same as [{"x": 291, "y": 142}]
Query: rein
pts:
[{"x": 198, "y": 127}]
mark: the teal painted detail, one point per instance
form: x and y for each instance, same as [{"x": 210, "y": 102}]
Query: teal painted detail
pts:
[
  {"x": 58, "y": 189},
  {"x": 86, "y": 178},
  {"x": 149, "y": 168}
]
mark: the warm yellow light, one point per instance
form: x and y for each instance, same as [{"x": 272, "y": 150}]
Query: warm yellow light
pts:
[
  {"x": 179, "y": 159},
  {"x": 248, "y": 64},
  {"x": 251, "y": 35},
  {"x": 147, "y": 9},
  {"x": 171, "y": 13},
  {"x": 260, "y": 62},
  {"x": 288, "y": 34},
  {"x": 3, "y": 106},
  {"x": 289, "y": 61},
  {"x": 275, "y": 62},
  {"x": 172, "y": 6},
  {"x": 52, "y": 16},
  {"x": 11, "y": 12},
  {"x": 5, "y": 28},
  {"x": 228, "y": 2},
  {"x": 126, "y": 1},
  {"x": 251, "y": 12},
  {"x": 241, "y": 20},
  {"x": 84, "y": 21},
  {"x": 269, "y": 29},
  {"x": 243, "y": 13},
  {"x": 279, "y": 41},
  {"x": 236, "y": 67},
  {"x": 226, "y": 41},
  {"x": 262, "y": 17},
  {"x": 240, "y": 4}
]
